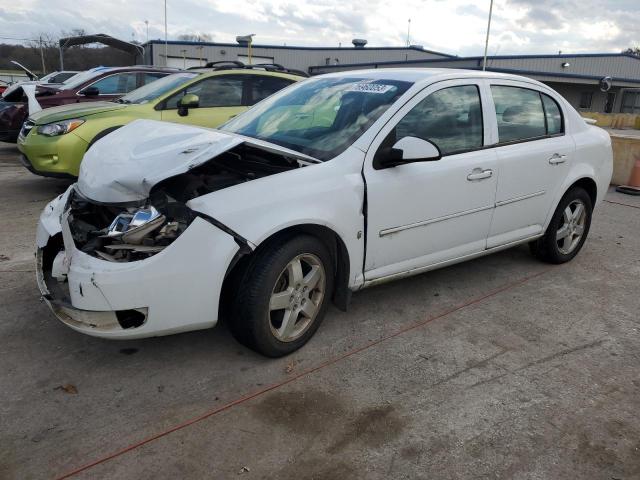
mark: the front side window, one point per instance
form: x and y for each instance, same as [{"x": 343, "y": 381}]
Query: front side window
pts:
[
  {"x": 319, "y": 117},
  {"x": 519, "y": 113},
  {"x": 450, "y": 118},
  {"x": 262, "y": 87},
  {"x": 157, "y": 88},
  {"x": 218, "y": 91},
  {"x": 116, "y": 84}
]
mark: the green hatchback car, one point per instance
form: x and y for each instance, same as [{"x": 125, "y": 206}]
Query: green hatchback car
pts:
[{"x": 53, "y": 141}]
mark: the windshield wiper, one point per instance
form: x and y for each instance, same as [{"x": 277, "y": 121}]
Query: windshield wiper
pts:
[{"x": 122, "y": 100}]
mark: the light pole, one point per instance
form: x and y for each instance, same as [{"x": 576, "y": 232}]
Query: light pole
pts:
[
  {"x": 409, "y": 32},
  {"x": 486, "y": 43},
  {"x": 200, "y": 47},
  {"x": 146, "y": 22},
  {"x": 166, "y": 49},
  {"x": 42, "y": 57},
  {"x": 249, "y": 40}
]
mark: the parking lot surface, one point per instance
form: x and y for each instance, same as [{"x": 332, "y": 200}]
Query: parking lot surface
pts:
[{"x": 502, "y": 367}]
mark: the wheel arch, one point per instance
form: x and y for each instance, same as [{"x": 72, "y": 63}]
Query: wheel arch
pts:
[
  {"x": 584, "y": 179},
  {"x": 588, "y": 184},
  {"x": 329, "y": 237},
  {"x": 102, "y": 134}
]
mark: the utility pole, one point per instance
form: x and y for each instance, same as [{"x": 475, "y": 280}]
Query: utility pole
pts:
[
  {"x": 408, "y": 32},
  {"x": 200, "y": 47},
  {"x": 42, "y": 57},
  {"x": 166, "y": 49},
  {"x": 486, "y": 43}
]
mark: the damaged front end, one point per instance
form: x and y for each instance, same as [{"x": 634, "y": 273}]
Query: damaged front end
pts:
[
  {"x": 125, "y": 233},
  {"x": 150, "y": 265},
  {"x": 138, "y": 230}
]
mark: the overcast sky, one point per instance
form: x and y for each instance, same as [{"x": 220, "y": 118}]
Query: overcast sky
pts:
[{"x": 451, "y": 26}]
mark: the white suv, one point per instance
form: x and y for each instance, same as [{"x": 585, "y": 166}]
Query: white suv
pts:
[{"x": 333, "y": 184}]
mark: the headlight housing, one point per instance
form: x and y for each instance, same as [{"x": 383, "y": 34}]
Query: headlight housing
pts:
[
  {"x": 60, "y": 128},
  {"x": 125, "y": 234}
]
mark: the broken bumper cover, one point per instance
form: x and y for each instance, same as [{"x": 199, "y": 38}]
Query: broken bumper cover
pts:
[{"x": 176, "y": 290}]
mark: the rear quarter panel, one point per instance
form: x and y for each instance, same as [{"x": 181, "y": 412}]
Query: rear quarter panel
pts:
[{"x": 593, "y": 159}]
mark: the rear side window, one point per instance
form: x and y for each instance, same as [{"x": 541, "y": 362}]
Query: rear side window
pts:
[
  {"x": 450, "y": 118},
  {"x": 262, "y": 87},
  {"x": 553, "y": 114},
  {"x": 519, "y": 113}
]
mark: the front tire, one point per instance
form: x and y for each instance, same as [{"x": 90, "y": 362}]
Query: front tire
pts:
[
  {"x": 283, "y": 296},
  {"x": 567, "y": 230}
]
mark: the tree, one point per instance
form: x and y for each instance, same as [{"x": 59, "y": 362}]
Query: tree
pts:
[{"x": 635, "y": 51}]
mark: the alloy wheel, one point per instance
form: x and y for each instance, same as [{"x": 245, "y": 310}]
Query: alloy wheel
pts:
[
  {"x": 572, "y": 229},
  {"x": 297, "y": 297}
]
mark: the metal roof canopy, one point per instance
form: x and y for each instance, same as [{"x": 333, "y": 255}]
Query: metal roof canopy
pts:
[{"x": 128, "y": 47}]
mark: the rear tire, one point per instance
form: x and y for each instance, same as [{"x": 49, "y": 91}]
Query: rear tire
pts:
[
  {"x": 282, "y": 296},
  {"x": 567, "y": 230}
]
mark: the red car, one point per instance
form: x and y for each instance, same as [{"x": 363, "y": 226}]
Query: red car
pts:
[{"x": 100, "y": 83}]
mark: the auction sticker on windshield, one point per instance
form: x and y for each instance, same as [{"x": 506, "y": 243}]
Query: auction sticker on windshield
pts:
[{"x": 370, "y": 88}]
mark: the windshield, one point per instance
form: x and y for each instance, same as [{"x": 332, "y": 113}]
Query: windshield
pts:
[
  {"x": 79, "y": 78},
  {"x": 319, "y": 117},
  {"x": 157, "y": 88}
]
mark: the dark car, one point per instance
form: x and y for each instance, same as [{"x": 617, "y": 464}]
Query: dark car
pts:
[{"x": 100, "y": 83}]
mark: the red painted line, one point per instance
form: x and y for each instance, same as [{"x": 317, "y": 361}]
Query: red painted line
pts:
[
  {"x": 620, "y": 203},
  {"x": 304, "y": 373}
]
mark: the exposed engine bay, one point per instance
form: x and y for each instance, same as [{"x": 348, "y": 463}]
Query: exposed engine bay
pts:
[{"x": 125, "y": 233}]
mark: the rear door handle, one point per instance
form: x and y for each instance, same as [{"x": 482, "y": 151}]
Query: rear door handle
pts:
[
  {"x": 479, "y": 174},
  {"x": 556, "y": 159}
]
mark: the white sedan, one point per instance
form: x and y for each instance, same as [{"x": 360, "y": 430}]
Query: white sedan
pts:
[{"x": 334, "y": 184}]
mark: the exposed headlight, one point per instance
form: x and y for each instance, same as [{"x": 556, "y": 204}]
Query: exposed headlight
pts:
[
  {"x": 134, "y": 227},
  {"x": 60, "y": 128}
]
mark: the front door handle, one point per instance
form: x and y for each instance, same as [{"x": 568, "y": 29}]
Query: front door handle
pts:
[
  {"x": 556, "y": 159},
  {"x": 479, "y": 174}
]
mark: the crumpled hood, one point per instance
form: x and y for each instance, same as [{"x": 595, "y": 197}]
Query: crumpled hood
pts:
[
  {"x": 127, "y": 163},
  {"x": 74, "y": 110}
]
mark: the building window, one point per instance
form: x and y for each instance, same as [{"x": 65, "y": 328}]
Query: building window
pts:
[
  {"x": 631, "y": 102},
  {"x": 586, "y": 99}
]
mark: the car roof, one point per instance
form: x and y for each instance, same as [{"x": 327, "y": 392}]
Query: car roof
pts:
[
  {"x": 425, "y": 75},
  {"x": 134, "y": 68},
  {"x": 243, "y": 71}
]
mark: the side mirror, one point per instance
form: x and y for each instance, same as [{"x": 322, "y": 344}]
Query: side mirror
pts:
[
  {"x": 407, "y": 150},
  {"x": 90, "y": 92},
  {"x": 188, "y": 101}
]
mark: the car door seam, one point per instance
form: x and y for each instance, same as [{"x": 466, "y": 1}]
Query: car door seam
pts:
[
  {"x": 389, "y": 231},
  {"x": 520, "y": 198},
  {"x": 422, "y": 223}
]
